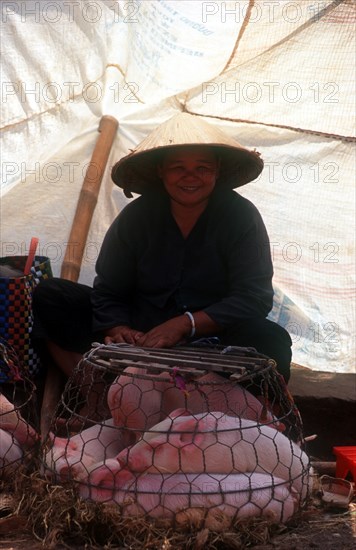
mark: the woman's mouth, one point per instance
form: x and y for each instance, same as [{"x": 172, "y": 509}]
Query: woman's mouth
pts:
[{"x": 190, "y": 188}]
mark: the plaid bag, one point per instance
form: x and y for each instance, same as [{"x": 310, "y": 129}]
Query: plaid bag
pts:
[{"x": 16, "y": 319}]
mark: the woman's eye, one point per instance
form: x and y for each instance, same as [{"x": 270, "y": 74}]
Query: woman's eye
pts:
[{"x": 204, "y": 170}]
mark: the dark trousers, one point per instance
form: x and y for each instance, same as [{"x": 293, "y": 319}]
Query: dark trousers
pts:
[{"x": 63, "y": 313}]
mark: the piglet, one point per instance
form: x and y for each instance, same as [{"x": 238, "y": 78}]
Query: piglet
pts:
[
  {"x": 71, "y": 458},
  {"x": 215, "y": 499},
  {"x": 10, "y": 454},
  {"x": 217, "y": 443},
  {"x": 138, "y": 403},
  {"x": 11, "y": 421}
]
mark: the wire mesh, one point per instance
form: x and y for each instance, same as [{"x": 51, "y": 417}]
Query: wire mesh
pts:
[
  {"x": 185, "y": 434},
  {"x": 18, "y": 413}
]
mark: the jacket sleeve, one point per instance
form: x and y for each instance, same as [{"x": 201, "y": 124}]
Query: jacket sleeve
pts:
[
  {"x": 249, "y": 271},
  {"x": 114, "y": 282}
]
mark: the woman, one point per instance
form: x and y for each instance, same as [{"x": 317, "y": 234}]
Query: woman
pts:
[{"x": 189, "y": 258}]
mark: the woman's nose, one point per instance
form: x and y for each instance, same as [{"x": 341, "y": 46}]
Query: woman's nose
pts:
[{"x": 191, "y": 173}]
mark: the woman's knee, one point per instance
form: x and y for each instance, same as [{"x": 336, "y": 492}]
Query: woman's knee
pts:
[
  {"x": 266, "y": 337},
  {"x": 62, "y": 314}
]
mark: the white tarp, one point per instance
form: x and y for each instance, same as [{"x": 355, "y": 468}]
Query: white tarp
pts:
[{"x": 278, "y": 75}]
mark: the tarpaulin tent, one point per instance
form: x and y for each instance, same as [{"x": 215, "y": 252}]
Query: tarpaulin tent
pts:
[{"x": 278, "y": 75}]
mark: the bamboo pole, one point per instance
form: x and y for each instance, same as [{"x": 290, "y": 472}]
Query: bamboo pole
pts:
[
  {"x": 75, "y": 249},
  {"x": 87, "y": 199}
]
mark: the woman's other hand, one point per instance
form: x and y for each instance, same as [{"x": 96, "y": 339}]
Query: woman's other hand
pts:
[
  {"x": 122, "y": 334},
  {"x": 167, "y": 334}
]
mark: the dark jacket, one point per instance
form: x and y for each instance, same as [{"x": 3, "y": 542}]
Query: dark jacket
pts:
[{"x": 148, "y": 273}]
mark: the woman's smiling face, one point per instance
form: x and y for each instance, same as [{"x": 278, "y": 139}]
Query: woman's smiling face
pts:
[{"x": 189, "y": 174}]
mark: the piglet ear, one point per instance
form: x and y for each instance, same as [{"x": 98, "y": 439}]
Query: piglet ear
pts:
[{"x": 191, "y": 433}]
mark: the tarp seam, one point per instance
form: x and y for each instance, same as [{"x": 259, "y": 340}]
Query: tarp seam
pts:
[
  {"x": 240, "y": 35},
  {"x": 285, "y": 127}
]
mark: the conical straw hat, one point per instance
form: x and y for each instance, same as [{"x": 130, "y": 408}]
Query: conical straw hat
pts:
[{"x": 137, "y": 171}]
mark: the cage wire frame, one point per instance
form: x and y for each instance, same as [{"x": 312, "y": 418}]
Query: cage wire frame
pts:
[
  {"x": 203, "y": 503},
  {"x": 182, "y": 368},
  {"x": 256, "y": 371},
  {"x": 19, "y": 417}
]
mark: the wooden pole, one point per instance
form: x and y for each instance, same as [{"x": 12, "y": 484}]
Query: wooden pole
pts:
[
  {"x": 52, "y": 392},
  {"x": 75, "y": 249},
  {"x": 87, "y": 199}
]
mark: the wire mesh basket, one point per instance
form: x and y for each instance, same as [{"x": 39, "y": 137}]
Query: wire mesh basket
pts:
[
  {"x": 18, "y": 413},
  {"x": 181, "y": 433}
]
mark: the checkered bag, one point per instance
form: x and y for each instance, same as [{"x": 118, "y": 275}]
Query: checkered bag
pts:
[{"x": 16, "y": 319}]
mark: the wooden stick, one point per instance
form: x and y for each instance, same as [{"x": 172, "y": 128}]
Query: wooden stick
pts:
[
  {"x": 168, "y": 361},
  {"x": 87, "y": 199},
  {"x": 173, "y": 357},
  {"x": 51, "y": 396}
]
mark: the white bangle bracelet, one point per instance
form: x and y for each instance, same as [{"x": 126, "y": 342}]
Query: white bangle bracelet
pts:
[{"x": 192, "y": 322}]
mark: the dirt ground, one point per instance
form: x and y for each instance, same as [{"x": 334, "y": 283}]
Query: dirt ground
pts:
[
  {"x": 317, "y": 528},
  {"x": 339, "y": 535}
]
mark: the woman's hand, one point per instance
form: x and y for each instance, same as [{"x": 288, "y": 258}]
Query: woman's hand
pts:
[
  {"x": 122, "y": 334},
  {"x": 167, "y": 334}
]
